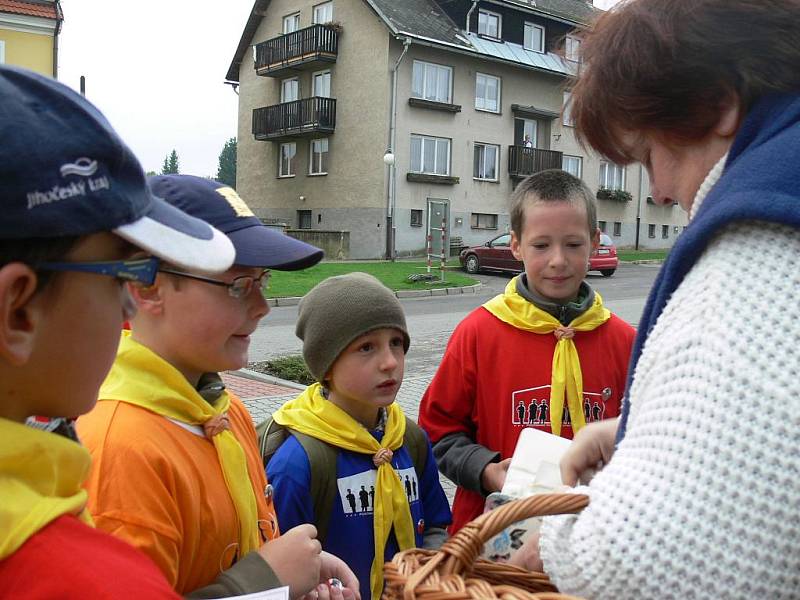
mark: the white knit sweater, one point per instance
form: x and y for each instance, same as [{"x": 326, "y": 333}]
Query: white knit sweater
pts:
[{"x": 702, "y": 497}]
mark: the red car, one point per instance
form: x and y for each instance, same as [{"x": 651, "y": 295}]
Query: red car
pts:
[{"x": 495, "y": 255}]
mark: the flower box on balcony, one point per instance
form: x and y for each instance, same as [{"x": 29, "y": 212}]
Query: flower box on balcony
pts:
[{"x": 614, "y": 195}]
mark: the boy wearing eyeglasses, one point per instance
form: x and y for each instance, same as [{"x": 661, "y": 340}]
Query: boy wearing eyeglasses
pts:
[
  {"x": 177, "y": 469},
  {"x": 78, "y": 222}
]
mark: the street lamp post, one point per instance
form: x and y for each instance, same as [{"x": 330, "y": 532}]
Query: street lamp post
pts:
[{"x": 388, "y": 160}]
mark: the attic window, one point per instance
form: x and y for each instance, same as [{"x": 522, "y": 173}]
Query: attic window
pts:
[{"x": 489, "y": 24}]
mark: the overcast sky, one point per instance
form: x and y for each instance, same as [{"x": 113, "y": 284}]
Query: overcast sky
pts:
[{"x": 156, "y": 69}]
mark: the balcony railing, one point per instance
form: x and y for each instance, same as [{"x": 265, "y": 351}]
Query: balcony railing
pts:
[
  {"x": 295, "y": 119},
  {"x": 524, "y": 161},
  {"x": 304, "y": 48}
]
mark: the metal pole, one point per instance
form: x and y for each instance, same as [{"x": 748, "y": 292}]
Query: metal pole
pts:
[
  {"x": 429, "y": 251},
  {"x": 444, "y": 260}
]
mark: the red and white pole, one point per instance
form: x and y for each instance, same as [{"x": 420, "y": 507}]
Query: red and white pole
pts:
[
  {"x": 429, "y": 251},
  {"x": 444, "y": 259}
]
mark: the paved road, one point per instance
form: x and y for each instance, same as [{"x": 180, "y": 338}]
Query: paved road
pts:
[{"x": 432, "y": 319}]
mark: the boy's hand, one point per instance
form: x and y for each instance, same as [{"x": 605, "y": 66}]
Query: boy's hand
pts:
[
  {"x": 334, "y": 567},
  {"x": 295, "y": 559},
  {"x": 591, "y": 449},
  {"x": 494, "y": 475},
  {"x": 527, "y": 556}
]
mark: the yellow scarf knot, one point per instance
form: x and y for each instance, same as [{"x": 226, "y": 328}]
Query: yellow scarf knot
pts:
[
  {"x": 566, "y": 378},
  {"x": 216, "y": 425},
  {"x": 141, "y": 377},
  {"x": 312, "y": 414}
]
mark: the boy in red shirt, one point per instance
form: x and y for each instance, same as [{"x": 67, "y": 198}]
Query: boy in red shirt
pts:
[
  {"x": 77, "y": 223},
  {"x": 545, "y": 353}
]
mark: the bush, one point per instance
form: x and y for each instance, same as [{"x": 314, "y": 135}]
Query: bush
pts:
[{"x": 292, "y": 368}]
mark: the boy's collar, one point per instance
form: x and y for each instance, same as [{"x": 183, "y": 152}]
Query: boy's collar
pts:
[
  {"x": 566, "y": 312},
  {"x": 210, "y": 387}
]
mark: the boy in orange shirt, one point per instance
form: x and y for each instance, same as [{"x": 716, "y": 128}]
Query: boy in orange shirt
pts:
[
  {"x": 77, "y": 223},
  {"x": 177, "y": 471}
]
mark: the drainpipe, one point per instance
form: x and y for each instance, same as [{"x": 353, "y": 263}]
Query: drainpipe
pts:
[
  {"x": 59, "y": 20},
  {"x": 392, "y": 188},
  {"x": 639, "y": 206},
  {"x": 469, "y": 14}
]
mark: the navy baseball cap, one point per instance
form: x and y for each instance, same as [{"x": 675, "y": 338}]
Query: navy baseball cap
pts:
[
  {"x": 218, "y": 204},
  {"x": 65, "y": 172}
]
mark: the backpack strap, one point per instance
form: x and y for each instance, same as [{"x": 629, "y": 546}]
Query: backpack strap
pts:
[
  {"x": 322, "y": 458},
  {"x": 416, "y": 443}
]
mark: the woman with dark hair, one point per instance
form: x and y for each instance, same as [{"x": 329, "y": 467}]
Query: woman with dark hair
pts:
[{"x": 701, "y": 496}]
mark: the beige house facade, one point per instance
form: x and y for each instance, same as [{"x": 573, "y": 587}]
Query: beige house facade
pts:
[{"x": 392, "y": 121}]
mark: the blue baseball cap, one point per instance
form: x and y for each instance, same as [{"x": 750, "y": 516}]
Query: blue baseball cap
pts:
[
  {"x": 65, "y": 172},
  {"x": 218, "y": 204}
]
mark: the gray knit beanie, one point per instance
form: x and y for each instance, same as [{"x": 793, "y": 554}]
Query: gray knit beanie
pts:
[{"x": 340, "y": 309}]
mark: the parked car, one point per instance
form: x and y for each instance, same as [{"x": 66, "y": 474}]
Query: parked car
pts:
[{"x": 495, "y": 255}]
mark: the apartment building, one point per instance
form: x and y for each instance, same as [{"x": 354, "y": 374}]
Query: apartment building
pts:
[
  {"x": 389, "y": 122},
  {"x": 29, "y": 32}
]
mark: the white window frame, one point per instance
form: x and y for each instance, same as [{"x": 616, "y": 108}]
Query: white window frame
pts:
[
  {"x": 421, "y": 160},
  {"x": 566, "y": 111},
  {"x": 286, "y": 20},
  {"x": 482, "y": 169},
  {"x": 283, "y": 89},
  {"x": 326, "y": 6},
  {"x": 439, "y": 69},
  {"x": 311, "y": 160},
  {"x": 2, "y": 52},
  {"x": 525, "y": 45},
  {"x": 480, "y": 102},
  {"x": 572, "y": 48},
  {"x": 291, "y": 161},
  {"x": 314, "y": 91},
  {"x": 577, "y": 159},
  {"x": 612, "y": 176},
  {"x": 489, "y": 14}
]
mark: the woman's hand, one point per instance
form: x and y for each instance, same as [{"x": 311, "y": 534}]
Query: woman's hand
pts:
[{"x": 589, "y": 452}]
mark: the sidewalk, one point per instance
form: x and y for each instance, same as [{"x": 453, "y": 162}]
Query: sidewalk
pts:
[{"x": 263, "y": 395}]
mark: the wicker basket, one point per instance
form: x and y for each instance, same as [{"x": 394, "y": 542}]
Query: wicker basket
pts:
[{"x": 455, "y": 571}]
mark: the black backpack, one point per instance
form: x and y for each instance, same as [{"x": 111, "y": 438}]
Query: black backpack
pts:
[{"x": 322, "y": 458}]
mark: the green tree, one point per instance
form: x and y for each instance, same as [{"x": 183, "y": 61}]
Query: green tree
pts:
[
  {"x": 170, "y": 166},
  {"x": 226, "y": 172}
]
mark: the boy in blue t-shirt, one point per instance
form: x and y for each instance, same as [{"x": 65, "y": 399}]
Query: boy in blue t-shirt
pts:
[{"x": 354, "y": 342}]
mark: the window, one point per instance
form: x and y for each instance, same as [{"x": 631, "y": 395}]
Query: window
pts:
[
  {"x": 323, "y": 13},
  {"x": 304, "y": 219},
  {"x": 431, "y": 82},
  {"x": 572, "y": 165},
  {"x": 572, "y": 48},
  {"x": 651, "y": 230},
  {"x": 2, "y": 52},
  {"x": 489, "y": 24},
  {"x": 291, "y": 23},
  {"x": 485, "y": 161},
  {"x": 566, "y": 111},
  {"x": 430, "y": 155},
  {"x": 612, "y": 177},
  {"x": 318, "y": 157},
  {"x": 483, "y": 221},
  {"x": 665, "y": 232},
  {"x": 487, "y": 92},
  {"x": 617, "y": 229},
  {"x": 290, "y": 89},
  {"x": 534, "y": 37},
  {"x": 322, "y": 84},
  {"x": 416, "y": 217},
  {"x": 286, "y": 166},
  {"x": 602, "y": 226}
]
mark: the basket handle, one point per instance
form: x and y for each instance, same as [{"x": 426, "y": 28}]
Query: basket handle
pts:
[{"x": 460, "y": 551}]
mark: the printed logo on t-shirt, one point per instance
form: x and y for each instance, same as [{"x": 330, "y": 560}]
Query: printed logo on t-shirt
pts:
[
  {"x": 357, "y": 492},
  {"x": 531, "y": 407}
]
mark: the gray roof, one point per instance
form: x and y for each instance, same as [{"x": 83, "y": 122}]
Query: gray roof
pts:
[
  {"x": 420, "y": 18},
  {"x": 576, "y": 11},
  {"x": 508, "y": 51}
]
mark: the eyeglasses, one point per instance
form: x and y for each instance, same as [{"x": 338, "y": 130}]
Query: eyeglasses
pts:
[
  {"x": 240, "y": 287},
  {"x": 139, "y": 270}
]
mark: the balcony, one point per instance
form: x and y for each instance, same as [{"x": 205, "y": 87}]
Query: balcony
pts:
[
  {"x": 300, "y": 118},
  {"x": 303, "y": 49},
  {"x": 524, "y": 161}
]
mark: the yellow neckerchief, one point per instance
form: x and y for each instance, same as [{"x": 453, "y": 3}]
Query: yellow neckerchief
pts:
[
  {"x": 142, "y": 378},
  {"x": 310, "y": 413},
  {"x": 518, "y": 312},
  {"x": 41, "y": 479}
]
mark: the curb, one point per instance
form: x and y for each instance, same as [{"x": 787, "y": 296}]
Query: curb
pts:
[
  {"x": 264, "y": 378},
  {"x": 452, "y": 291},
  {"x": 645, "y": 261}
]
